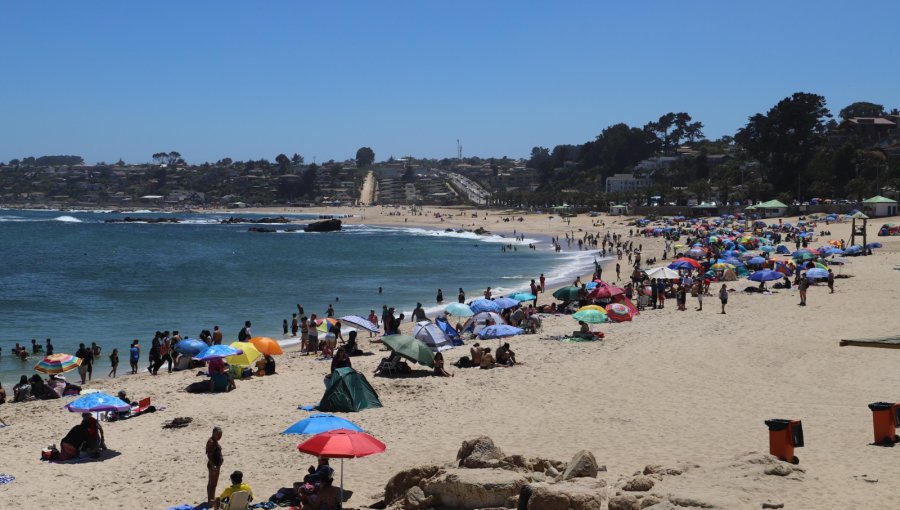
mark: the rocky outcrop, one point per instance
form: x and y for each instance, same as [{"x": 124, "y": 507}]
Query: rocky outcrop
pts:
[
  {"x": 130, "y": 219},
  {"x": 324, "y": 226},
  {"x": 583, "y": 464},
  {"x": 567, "y": 496},
  {"x": 638, "y": 484},
  {"x": 479, "y": 452},
  {"x": 235, "y": 219},
  {"x": 624, "y": 502},
  {"x": 400, "y": 483},
  {"x": 475, "y": 488}
]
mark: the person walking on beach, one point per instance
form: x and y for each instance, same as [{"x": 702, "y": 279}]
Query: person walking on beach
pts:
[
  {"x": 831, "y": 281},
  {"x": 723, "y": 297},
  {"x": 214, "y": 461},
  {"x": 87, "y": 357},
  {"x": 698, "y": 292},
  {"x": 155, "y": 361},
  {"x": 134, "y": 355},
  {"x": 295, "y": 325},
  {"x": 165, "y": 352},
  {"x": 618, "y": 272},
  {"x": 312, "y": 345},
  {"x": 440, "y": 296},
  {"x": 462, "y": 296},
  {"x": 418, "y": 314},
  {"x": 114, "y": 361},
  {"x": 304, "y": 334},
  {"x": 543, "y": 282},
  {"x": 374, "y": 320}
]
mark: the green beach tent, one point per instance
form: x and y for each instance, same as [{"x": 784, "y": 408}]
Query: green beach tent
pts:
[{"x": 348, "y": 391}]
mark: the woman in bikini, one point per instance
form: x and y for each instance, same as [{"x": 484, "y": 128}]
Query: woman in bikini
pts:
[{"x": 214, "y": 461}]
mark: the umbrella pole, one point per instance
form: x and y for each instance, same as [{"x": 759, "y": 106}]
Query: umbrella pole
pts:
[{"x": 342, "y": 483}]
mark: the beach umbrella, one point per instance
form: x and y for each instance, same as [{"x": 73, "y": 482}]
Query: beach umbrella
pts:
[
  {"x": 499, "y": 331},
  {"x": 342, "y": 444},
  {"x": 817, "y": 273},
  {"x": 324, "y": 325},
  {"x": 782, "y": 249},
  {"x": 217, "y": 352},
  {"x": 459, "y": 310},
  {"x": 365, "y": 324},
  {"x": 802, "y": 255},
  {"x": 266, "y": 345},
  {"x": 569, "y": 293},
  {"x": 618, "y": 312},
  {"x": 523, "y": 296},
  {"x": 721, "y": 266},
  {"x": 874, "y": 245},
  {"x": 190, "y": 346},
  {"x": 591, "y": 307},
  {"x": 606, "y": 292},
  {"x": 590, "y": 316},
  {"x": 765, "y": 275},
  {"x": 768, "y": 249},
  {"x": 97, "y": 403},
  {"x": 58, "y": 363},
  {"x": 504, "y": 302},
  {"x": 249, "y": 354},
  {"x": 756, "y": 261},
  {"x": 662, "y": 273},
  {"x": 484, "y": 305},
  {"x": 318, "y": 423},
  {"x": 684, "y": 263},
  {"x": 410, "y": 348}
]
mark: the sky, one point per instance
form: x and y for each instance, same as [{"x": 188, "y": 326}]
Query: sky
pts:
[{"x": 249, "y": 80}]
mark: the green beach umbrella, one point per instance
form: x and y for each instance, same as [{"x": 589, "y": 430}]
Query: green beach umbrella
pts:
[
  {"x": 590, "y": 316},
  {"x": 567, "y": 293},
  {"x": 459, "y": 310},
  {"x": 410, "y": 348}
]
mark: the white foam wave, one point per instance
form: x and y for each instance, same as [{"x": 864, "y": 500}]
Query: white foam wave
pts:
[
  {"x": 67, "y": 219},
  {"x": 492, "y": 238}
]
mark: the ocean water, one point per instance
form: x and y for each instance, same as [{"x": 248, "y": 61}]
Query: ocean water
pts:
[{"x": 73, "y": 278}]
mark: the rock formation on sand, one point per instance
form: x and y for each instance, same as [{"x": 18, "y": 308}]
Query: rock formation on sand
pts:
[{"x": 483, "y": 476}]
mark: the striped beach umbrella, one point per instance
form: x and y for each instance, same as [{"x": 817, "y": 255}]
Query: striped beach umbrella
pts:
[
  {"x": 58, "y": 363},
  {"x": 617, "y": 312}
]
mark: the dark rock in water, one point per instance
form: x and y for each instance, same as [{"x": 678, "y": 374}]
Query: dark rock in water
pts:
[
  {"x": 237, "y": 219},
  {"x": 448, "y": 230},
  {"x": 324, "y": 226},
  {"x": 482, "y": 231},
  {"x": 261, "y": 229},
  {"x": 129, "y": 219}
]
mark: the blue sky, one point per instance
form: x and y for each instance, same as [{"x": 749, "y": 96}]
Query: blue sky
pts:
[{"x": 111, "y": 79}]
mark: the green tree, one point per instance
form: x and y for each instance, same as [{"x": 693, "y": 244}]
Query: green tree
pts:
[
  {"x": 786, "y": 139},
  {"x": 365, "y": 157},
  {"x": 283, "y": 163},
  {"x": 861, "y": 109},
  {"x": 297, "y": 159},
  {"x": 309, "y": 181}
]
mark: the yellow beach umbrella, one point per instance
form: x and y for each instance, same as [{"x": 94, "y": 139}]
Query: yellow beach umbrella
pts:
[
  {"x": 250, "y": 355},
  {"x": 592, "y": 307}
]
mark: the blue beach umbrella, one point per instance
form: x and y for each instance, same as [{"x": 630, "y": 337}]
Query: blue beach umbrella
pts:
[
  {"x": 190, "y": 346},
  {"x": 499, "y": 331},
  {"x": 766, "y": 275},
  {"x": 525, "y": 296},
  {"x": 97, "y": 403},
  {"x": 484, "y": 305},
  {"x": 504, "y": 302},
  {"x": 755, "y": 261},
  {"x": 782, "y": 249},
  {"x": 817, "y": 273},
  {"x": 680, "y": 265},
  {"x": 768, "y": 248},
  {"x": 459, "y": 310},
  {"x": 873, "y": 245},
  {"x": 318, "y": 423},
  {"x": 217, "y": 352}
]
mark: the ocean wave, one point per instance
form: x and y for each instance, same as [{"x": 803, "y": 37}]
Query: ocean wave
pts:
[
  {"x": 492, "y": 238},
  {"x": 67, "y": 219}
]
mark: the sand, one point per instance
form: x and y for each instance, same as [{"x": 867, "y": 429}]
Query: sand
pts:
[{"x": 669, "y": 387}]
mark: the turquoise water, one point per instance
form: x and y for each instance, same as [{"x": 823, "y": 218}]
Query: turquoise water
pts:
[{"x": 71, "y": 277}]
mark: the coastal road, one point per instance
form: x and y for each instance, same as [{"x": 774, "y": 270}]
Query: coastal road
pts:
[{"x": 367, "y": 195}]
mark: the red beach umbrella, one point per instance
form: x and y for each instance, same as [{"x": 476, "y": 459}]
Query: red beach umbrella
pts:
[
  {"x": 343, "y": 444},
  {"x": 606, "y": 292},
  {"x": 617, "y": 312}
]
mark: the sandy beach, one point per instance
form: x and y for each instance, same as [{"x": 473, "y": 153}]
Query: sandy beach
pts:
[{"x": 670, "y": 387}]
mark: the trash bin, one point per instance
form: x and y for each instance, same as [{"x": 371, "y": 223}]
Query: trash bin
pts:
[
  {"x": 784, "y": 436},
  {"x": 885, "y": 420}
]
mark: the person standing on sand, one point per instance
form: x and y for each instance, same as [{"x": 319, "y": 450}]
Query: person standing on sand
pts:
[
  {"x": 804, "y": 286},
  {"x": 214, "y": 461},
  {"x": 87, "y": 358},
  {"x": 295, "y": 325},
  {"x": 217, "y": 336},
  {"x": 114, "y": 362},
  {"x": 462, "y": 296},
  {"x": 618, "y": 272},
  {"x": 831, "y": 281},
  {"x": 487, "y": 293},
  {"x": 330, "y": 311},
  {"x": 312, "y": 345},
  {"x": 374, "y": 320},
  {"x": 134, "y": 355},
  {"x": 723, "y": 297},
  {"x": 543, "y": 282}
]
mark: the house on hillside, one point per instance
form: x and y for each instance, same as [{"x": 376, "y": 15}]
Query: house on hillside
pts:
[{"x": 625, "y": 183}]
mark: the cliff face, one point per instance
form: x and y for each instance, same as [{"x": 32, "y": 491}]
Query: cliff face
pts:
[{"x": 324, "y": 226}]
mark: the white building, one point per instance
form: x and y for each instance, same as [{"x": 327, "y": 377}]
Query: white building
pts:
[{"x": 624, "y": 183}]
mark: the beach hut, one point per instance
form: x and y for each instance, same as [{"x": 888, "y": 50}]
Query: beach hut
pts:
[
  {"x": 880, "y": 206},
  {"x": 770, "y": 209},
  {"x": 348, "y": 391},
  {"x": 618, "y": 210}
]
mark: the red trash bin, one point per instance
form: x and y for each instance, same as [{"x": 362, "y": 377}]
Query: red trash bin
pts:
[
  {"x": 784, "y": 436},
  {"x": 885, "y": 420}
]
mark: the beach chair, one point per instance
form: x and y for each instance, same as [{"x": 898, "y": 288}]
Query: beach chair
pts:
[
  {"x": 142, "y": 406},
  {"x": 388, "y": 366},
  {"x": 238, "y": 501},
  {"x": 643, "y": 302}
]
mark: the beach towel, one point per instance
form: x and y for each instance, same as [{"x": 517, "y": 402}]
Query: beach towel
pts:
[
  {"x": 575, "y": 339},
  {"x": 181, "y": 507},
  {"x": 5, "y": 479}
]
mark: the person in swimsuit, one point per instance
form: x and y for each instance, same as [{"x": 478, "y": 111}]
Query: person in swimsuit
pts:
[{"x": 214, "y": 461}]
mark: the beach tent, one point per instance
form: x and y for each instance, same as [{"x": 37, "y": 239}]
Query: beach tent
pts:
[
  {"x": 476, "y": 323},
  {"x": 348, "y": 391},
  {"x": 450, "y": 331},
  {"x": 432, "y": 336}
]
